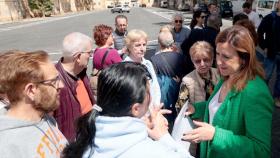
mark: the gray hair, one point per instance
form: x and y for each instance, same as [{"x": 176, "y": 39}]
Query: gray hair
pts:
[
  {"x": 213, "y": 21},
  {"x": 177, "y": 15},
  {"x": 75, "y": 42},
  {"x": 165, "y": 39}
]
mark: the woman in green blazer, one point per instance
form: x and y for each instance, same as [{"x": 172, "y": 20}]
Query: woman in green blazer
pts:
[{"x": 237, "y": 116}]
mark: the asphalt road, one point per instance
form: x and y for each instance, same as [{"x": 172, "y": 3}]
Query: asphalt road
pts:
[{"x": 47, "y": 34}]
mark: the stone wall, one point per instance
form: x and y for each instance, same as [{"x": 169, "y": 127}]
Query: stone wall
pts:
[{"x": 10, "y": 10}]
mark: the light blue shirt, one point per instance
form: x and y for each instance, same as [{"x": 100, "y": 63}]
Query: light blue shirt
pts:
[
  {"x": 127, "y": 137},
  {"x": 179, "y": 37}
]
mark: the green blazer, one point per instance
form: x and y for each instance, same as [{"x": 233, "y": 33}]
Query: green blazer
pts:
[{"x": 242, "y": 123}]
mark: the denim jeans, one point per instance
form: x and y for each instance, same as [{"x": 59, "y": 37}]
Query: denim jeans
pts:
[{"x": 269, "y": 65}]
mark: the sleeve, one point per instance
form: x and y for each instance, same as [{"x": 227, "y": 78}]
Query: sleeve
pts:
[
  {"x": 115, "y": 58},
  {"x": 257, "y": 109},
  {"x": 275, "y": 133},
  {"x": 155, "y": 86},
  {"x": 257, "y": 20},
  {"x": 261, "y": 33},
  {"x": 155, "y": 64},
  {"x": 199, "y": 110},
  {"x": 172, "y": 145},
  {"x": 182, "y": 97}
]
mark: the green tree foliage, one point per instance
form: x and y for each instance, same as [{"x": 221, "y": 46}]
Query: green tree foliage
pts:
[{"x": 41, "y": 7}]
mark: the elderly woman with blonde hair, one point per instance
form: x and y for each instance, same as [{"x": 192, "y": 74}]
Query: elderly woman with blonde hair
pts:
[
  {"x": 198, "y": 85},
  {"x": 136, "y": 44}
]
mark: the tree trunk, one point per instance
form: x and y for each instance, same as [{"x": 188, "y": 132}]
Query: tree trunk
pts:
[
  {"x": 60, "y": 7},
  {"x": 26, "y": 9}
]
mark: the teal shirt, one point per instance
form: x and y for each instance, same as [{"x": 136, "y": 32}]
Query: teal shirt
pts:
[{"x": 242, "y": 123}]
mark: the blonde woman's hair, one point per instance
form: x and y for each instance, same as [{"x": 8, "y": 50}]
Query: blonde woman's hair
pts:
[
  {"x": 134, "y": 36},
  {"x": 202, "y": 46}
]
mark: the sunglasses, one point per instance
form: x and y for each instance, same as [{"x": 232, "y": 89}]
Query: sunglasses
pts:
[
  {"x": 179, "y": 21},
  {"x": 202, "y": 17}
]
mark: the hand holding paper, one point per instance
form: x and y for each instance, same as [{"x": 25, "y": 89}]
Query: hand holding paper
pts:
[{"x": 203, "y": 132}]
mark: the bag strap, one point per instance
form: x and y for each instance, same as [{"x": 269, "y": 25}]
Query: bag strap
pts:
[
  {"x": 102, "y": 62},
  {"x": 104, "y": 57}
]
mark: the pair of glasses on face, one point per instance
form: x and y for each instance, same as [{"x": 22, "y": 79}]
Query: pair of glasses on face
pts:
[
  {"x": 89, "y": 52},
  {"x": 54, "y": 82},
  {"x": 198, "y": 61},
  {"x": 203, "y": 16},
  {"x": 179, "y": 21}
]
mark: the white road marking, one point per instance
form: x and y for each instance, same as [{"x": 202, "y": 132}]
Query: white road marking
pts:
[{"x": 156, "y": 12}]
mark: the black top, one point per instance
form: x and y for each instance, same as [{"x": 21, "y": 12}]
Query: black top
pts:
[
  {"x": 275, "y": 133},
  {"x": 207, "y": 34},
  {"x": 269, "y": 34},
  {"x": 173, "y": 64}
]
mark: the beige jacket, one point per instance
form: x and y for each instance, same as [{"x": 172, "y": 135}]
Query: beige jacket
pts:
[{"x": 192, "y": 87}]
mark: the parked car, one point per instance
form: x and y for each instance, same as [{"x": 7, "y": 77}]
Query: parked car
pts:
[
  {"x": 143, "y": 5},
  {"x": 163, "y": 4},
  {"x": 185, "y": 7},
  {"x": 117, "y": 8},
  {"x": 226, "y": 9},
  {"x": 201, "y": 6},
  {"x": 126, "y": 8},
  {"x": 110, "y": 6},
  {"x": 120, "y": 9}
]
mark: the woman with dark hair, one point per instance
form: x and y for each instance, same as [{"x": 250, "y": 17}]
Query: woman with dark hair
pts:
[
  {"x": 237, "y": 116},
  {"x": 114, "y": 127},
  {"x": 198, "y": 20}
]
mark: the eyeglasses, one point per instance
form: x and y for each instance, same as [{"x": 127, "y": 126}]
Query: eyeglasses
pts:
[
  {"x": 198, "y": 61},
  {"x": 122, "y": 25},
  {"x": 51, "y": 82},
  {"x": 202, "y": 17},
  {"x": 179, "y": 21},
  {"x": 88, "y": 52}
]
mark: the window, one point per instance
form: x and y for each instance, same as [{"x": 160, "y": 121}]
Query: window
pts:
[{"x": 265, "y": 4}]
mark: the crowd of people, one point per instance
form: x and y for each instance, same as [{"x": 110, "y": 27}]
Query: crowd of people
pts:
[{"x": 128, "y": 105}]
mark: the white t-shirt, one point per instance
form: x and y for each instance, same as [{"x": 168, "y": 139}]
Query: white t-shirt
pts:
[
  {"x": 254, "y": 17},
  {"x": 214, "y": 105}
]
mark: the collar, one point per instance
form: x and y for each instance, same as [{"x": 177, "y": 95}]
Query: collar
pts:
[
  {"x": 177, "y": 31},
  {"x": 120, "y": 33}
]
